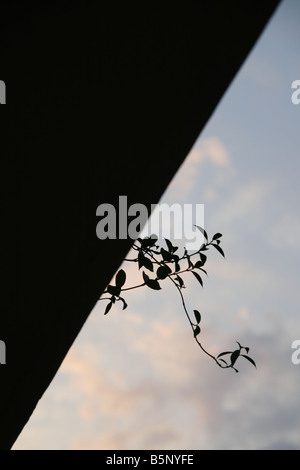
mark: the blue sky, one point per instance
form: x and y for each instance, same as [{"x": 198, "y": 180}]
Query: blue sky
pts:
[{"x": 135, "y": 379}]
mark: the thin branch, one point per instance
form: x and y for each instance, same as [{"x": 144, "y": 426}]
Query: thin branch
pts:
[
  {"x": 192, "y": 324},
  {"x": 123, "y": 290}
]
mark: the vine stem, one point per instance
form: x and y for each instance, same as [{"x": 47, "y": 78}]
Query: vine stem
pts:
[
  {"x": 188, "y": 317},
  {"x": 123, "y": 290},
  {"x": 136, "y": 248},
  {"x": 192, "y": 324}
]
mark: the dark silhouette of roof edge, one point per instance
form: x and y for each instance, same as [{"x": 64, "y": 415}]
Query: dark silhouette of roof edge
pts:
[{"x": 99, "y": 104}]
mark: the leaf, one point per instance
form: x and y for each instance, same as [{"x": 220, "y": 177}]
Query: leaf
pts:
[
  {"x": 177, "y": 267},
  {"x": 120, "y": 278},
  {"x": 247, "y": 350},
  {"x": 224, "y": 361},
  {"x": 217, "y": 247},
  {"x": 224, "y": 353},
  {"x": 202, "y": 231},
  {"x": 197, "y": 331},
  {"x": 141, "y": 258},
  {"x": 152, "y": 283},
  {"x": 175, "y": 258},
  {"x": 234, "y": 356},
  {"x": 203, "y": 247},
  {"x": 169, "y": 244},
  {"x": 189, "y": 261},
  {"x": 124, "y": 303},
  {"x": 249, "y": 359},
  {"x": 114, "y": 290},
  {"x": 163, "y": 271},
  {"x": 197, "y": 316},
  {"x": 203, "y": 271},
  {"x": 144, "y": 261},
  {"x": 198, "y": 265},
  {"x": 148, "y": 263},
  {"x": 108, "y": 307},
  {"x": 180, "y": 280},
  {"x": 203, "y": 258},
  {"x": 216, "y": 236},
  {"x": 149, "y": 241},
  {"x": 198, "y": 278},
  {"x": 166, "y": 255}
]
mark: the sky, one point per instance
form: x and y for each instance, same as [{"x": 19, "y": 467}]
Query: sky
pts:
[{"x": 135, "y": 379}]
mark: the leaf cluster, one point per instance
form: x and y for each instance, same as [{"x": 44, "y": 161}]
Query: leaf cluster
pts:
[{"x": 158, "y": 264}]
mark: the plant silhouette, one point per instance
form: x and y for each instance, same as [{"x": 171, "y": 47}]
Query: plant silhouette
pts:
[{"x": 164, "y": 263}]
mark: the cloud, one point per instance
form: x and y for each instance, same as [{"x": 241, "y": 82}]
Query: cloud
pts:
[
  {"x": 210, "y": 150},
  {"x": 247, "y": 203},
  {"x": 261, "y": 73},
  {"x": 185, "y": 401},
  {"x": 210, "y": 194},
  {"x": 286, "y": 232},
  {"x": 112, "y": 398},
  {"x": 160, "y": 436},
  {"x": 103, "y": 391}
]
